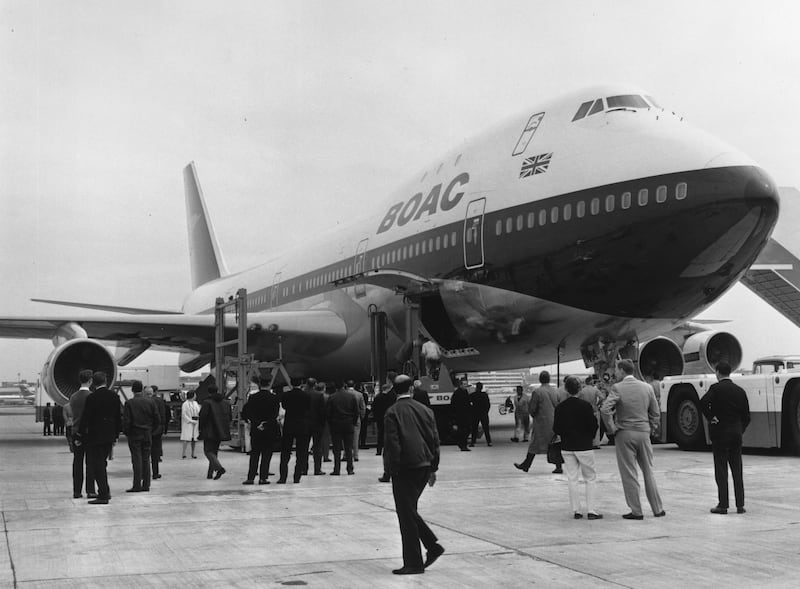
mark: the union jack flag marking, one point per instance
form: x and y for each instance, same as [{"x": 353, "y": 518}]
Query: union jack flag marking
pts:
[{"x": 537, "y": 164}]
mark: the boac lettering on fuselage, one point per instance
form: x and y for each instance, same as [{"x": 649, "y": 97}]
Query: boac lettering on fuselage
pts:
[{"x": 415, "y": 207}]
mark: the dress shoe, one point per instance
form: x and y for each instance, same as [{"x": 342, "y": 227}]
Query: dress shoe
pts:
[
  {"x": 77, "y": 496},
  {"x": 91, "y": 495},
  {"x": 385, "y": 479},
  {"x": 145, "y": 489},
  {"x": 488, "y": 443},
  {"x": 661, "y": 513},
  {"x": 326, "y": 460},
  {"x": 296, "y": 479},
  {"x": 378, "y": 453},
  {"x": 156, "y": 476},
  {"x": 595, "y": 516},
  {"x": 632, "y": 516},
  {"x": 515, "y": 439},
  {"x": 281, "y": 481},
  {"x": 249, "y": 482},
  {"x": 220, "y": 472},
  {"x": 193, "y": 456},
  {"x": 134, "y": 490},
  {"x": 433, "y": 554},
  {"x": 558, "y": 471},
  {"x": 98, "y": 501},
  {"x": 719, "y": 510},
  {"x": 263, "y": 482},
  {"x": 741, "y": 510},
  {"x": 465, "y": 449},
  {"x": 355, "y": 459},
  {"x": 472, "y": 445},
  {"x": 319, "y": 472},
  {"x": 409, "y": 571},
  {"x": 522, "y": 467},
  {"x": 335, "y": 474},
  {"x": 525, "y": 440},
  {"x": 184, "y": 457},
  {"x": 577, "y": 516}
]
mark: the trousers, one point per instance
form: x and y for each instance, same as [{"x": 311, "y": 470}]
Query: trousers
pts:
[
  {"x": 727, "y": 450},
  {"x": 634, "y": 448},
  {"x": 140, "y": 459},
  {"x": 407, "y": 486},
  {"x": 581, "y": 462}
]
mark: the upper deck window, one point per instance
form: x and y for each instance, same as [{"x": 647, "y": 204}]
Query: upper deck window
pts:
[{"x": 627, "y": 100}]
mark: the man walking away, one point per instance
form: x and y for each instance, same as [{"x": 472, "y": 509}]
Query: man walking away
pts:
[
  {"x": 99, "y": 428},
  {"x": 215, "y": 428},
  {"x": 726, "y": 407},
  {"x": 480, "y": 406},
  {"x": 139, "y": 420},
  {"x": 47, "y": 418},
  {"x": 411, "y": 458},
  {"x": 630, "y": 411}
]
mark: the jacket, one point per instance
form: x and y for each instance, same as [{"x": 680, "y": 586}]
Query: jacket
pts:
[
  {"x": 728, "y": 402},
  {"x": 261, "y": 409},
  {"x": 631, "y": 405},
  {"x": 140, "y": 418},
  {"x": 215, "y": 419},
  {"x": 101, "y": 421},
  {"x": 574, "y": 421},
  {"x": 411, "y": 439}
]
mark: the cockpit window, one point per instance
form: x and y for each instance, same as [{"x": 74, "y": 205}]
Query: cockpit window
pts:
[
  {"x": 582, "y": 110},
  {"x": 629, "y": 100},
  {"x": 598, "y": 106},
  {"x": 653, "y": 101}
]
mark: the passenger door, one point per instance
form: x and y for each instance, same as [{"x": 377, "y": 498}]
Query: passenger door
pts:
[{"x": 473, "y": 234}]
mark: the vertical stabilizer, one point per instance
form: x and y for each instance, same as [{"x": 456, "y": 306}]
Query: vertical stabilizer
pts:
[{"x": 204, "y": 253}]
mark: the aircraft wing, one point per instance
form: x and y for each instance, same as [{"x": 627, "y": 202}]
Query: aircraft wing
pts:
[{"x": 302, "y": 332}]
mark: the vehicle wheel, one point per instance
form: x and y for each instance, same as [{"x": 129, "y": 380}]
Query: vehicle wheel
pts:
[
  {"x": 686, "y": 422},
  {"x": 792, "y": 421}
]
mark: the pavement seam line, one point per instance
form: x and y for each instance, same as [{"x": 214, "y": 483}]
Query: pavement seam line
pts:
[{"x": 8, "y": 548}]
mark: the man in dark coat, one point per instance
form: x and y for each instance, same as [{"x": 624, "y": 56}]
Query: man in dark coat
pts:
[
  {"x": 261, "y": 410},
  {"x": 47, "y": 418},
  {"x": 411, "y": 458},
  {"x": 156, "y": 447},
  {"x": 316, "y": 422},
  {"x": 342, "y": 413},
  {"x": 462, "y": 413},
  {"x": 139, "y": 419},
  {"x": 215, "y": 427},
  {"x": 80, "y": 454},
  {"x": 100, "y": 425},
  {"x": 726, "y": 407},
  {"x": 295, "y": 432},
  {"x": 479, "y": 400},
  {"x": 421, "y": 395}
]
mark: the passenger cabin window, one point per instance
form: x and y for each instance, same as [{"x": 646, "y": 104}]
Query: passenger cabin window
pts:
[
  {"x": 580, "y": 209},
  {"x": 626, "y": 100},
  {"x": 542, "y": 218},
  {"x": 567, "y": 212},
  {"x": 595, "y": 206},
  {"x": 661, "y": 194},
  {"x": 643, "y": 197},
  {"x": 625, "y": 202},
  {"x": 680, "y": 191},
  {"x": 609, "y": 203},
  {"x": 531, "y": 220},
  {"x": 554, "y": 215}
]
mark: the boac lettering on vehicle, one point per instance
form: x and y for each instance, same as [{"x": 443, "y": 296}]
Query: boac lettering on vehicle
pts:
[{"x": 415, "y": 207}]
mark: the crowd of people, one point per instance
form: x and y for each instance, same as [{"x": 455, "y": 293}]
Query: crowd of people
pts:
[{"x": 308, "y": 419}]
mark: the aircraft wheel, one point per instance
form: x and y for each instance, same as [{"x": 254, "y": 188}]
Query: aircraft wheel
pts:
[{"x": 686, "y": 421}]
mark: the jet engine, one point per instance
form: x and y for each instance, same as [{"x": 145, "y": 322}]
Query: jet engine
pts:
[
  {"x": 60, "y": 371},
  {"x": 702, "y": 351},
  {"x": 660, "y": 357}
]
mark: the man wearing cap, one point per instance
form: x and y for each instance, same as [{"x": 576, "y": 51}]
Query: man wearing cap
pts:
[{"x": 411, "y": 458}]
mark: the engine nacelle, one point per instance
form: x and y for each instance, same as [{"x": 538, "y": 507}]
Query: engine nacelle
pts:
[
  {"x": 60, "y": 371},
  {"x": 702, "y": 351},
  {"x": 660, "y": 357}
]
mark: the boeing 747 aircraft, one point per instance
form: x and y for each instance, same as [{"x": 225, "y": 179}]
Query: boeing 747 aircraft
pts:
[{"x": 587, "y": 227}]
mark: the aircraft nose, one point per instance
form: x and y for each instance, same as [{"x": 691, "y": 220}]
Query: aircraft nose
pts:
[{"x": 760, "y": 187}]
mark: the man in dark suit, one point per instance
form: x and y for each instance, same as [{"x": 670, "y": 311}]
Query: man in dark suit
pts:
[
  {"x": 411, "y": 458},
  {"x": 80, "y": 455},
  {"x": 342, "y": 413},
  {"x": 140, "y": 419},
  {"x": 47, "y": 418},
  {"x": 156, "y": 445},
  {"x": 295, "y": 431},
  {"x": 462, "y": 413},
  {"x": 100, "y": 426},
  {"x": 261, "y": 411},
  {"x": 726, "y": 407},
  {"x": 316, "y": 421}
]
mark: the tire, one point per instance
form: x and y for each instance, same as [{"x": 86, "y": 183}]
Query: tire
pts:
[
  {"x": 792, "y": 422},
  {"x": 686, "y": 421}
]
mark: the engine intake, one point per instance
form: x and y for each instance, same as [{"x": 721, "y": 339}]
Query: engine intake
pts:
[
  {"x": 60, "y": 371},
  {"x": 660, "y": 357},
  {"x": 702, "y": 351}
]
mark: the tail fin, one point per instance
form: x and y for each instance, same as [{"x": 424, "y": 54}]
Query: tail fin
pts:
[{"x": 204, "y": 253}]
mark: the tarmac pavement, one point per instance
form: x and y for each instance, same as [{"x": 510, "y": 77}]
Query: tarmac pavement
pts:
[{"x": 500, "y": 527}]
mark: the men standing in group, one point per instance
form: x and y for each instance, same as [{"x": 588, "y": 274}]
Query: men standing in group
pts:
[
  {"x": 156, "y": 447},
  {"x": 77, "y": 402},
  {"x": 462, "y": 413},
  {"x": 480, "y": 403},
  {"x": 316, "y": 421},
  {"x": 58, "y": 420},
  {"x": 592, "y": 395},
  {"x": 342, "y": 412},
  {"x": 140, "y": 419},
  {"x": 522, "y": 419},
  {"x": 362, "y": 412},
  {"x": 575, "y": 422},
  {"x": 542, "y": 407},
  {"x": 261, "y": 411},
  {"x": 295, "y": 431},
  {"x": 726, "y": 407},
  {"x": 100, "y": 425},
  {"x": 47, "y": 418},
  {"x": 411, "y": 458},
  {"x": 421, "y": 395},
  {"x": 630, "y": 412}
]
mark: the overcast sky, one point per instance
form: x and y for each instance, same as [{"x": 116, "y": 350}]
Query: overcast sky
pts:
[{"x": 297, "y": 113}]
